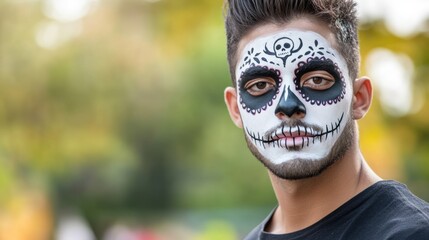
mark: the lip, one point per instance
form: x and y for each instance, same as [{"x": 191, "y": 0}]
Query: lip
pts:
[
  {"x": 293, "y": 132},
  {"x": 295, "y": 137}
]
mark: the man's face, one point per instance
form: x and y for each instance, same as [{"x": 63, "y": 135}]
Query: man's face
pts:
[{"x": 294, "y": 96}]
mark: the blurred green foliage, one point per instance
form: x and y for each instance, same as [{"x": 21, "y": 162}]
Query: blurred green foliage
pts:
[{"x": 126, "y": 119}]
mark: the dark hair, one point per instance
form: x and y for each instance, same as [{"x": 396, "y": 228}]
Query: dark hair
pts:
[{"x": 242, "y": 16}]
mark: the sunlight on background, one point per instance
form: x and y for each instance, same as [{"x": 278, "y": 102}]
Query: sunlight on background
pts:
[
  {"x": 392, "y": 75},
  {"x": 68, "y": 10},
  {"x": 114, "y": 127},
  {"x": 65, "y": 24},
  {"x": 74, "y": 227},
  {"x": 51, "y": 34},
  {"x": 403, "y": 18},
  {"x": 393, "y": 72}
]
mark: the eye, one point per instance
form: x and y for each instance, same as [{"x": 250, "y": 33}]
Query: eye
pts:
[
  {"x": 317, "y": 80},
  {"x": 260, "y": 86}
]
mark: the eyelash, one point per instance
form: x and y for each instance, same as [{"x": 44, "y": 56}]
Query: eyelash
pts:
[
  {"x": 327, "y": 80},
  {"x": 260, "y": 91}
]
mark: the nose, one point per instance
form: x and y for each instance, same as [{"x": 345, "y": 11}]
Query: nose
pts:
[{"x": 290, "y": 106}]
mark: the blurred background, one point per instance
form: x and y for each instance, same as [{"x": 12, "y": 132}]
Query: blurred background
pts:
[{"x": 113, "y": 126}]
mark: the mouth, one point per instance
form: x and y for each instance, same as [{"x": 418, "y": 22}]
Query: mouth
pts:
[{"x": 297, "y": 137}]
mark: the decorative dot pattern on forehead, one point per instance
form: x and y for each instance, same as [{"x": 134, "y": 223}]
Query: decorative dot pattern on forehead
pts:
[
  {"x": 282, "y": 49},
  {"x": 313, "y": 50},
  {"x": 334, "y": 94},
  {"x": 285, "y": 48}
]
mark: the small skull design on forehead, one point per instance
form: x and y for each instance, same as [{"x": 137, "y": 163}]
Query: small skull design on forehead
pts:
[{"x": 283, "y": 47}]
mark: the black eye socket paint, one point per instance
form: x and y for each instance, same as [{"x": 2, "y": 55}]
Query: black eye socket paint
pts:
[
  {"x": 329, "y": 96},
  {"x": 257, "y": 104},
  {"x": 258, "y": 72}
]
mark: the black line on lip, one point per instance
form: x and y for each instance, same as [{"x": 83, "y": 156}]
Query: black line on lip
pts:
[
  {"x": 271, "y": 140},
  {"x": 283, "y": 130},
  {"x": 327, "y": 132}
]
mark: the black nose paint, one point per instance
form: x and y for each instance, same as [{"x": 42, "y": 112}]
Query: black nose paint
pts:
[{"x": 290, "y": 105}]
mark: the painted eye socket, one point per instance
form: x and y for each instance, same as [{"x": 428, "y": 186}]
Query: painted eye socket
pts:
[
  {"x": 260, "y": 86},
  {"x": 317, "y": 80}
]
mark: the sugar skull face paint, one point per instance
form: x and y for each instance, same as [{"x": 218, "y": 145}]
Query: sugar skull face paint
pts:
[{"x": 295, "y": 96}]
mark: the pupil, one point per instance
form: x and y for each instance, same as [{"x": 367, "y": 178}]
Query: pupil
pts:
[
  {"x": 317, "y": 80},
  {"x": 261, "y": 85}
]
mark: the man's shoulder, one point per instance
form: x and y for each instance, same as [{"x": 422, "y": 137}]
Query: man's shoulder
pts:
[
  {"x": 407, "y": 230},
  {"x": 387, "y": 210},
  {"x": 393, "y": 212},
  {"x": 396, "y": 200}
]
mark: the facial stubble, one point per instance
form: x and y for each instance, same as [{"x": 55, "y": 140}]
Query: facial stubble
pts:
[{"x": 296, "y": 169}]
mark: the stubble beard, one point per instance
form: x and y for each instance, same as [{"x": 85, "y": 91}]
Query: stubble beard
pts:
[{"x": 296, "y": 169}]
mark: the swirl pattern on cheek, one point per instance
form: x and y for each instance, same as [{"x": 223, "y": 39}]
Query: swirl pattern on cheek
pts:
[{"x": 329, "y": 96}]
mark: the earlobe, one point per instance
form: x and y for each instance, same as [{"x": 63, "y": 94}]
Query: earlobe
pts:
[
  {"x": 230, "y": 96},
  {"x": 362, "y": 97}
]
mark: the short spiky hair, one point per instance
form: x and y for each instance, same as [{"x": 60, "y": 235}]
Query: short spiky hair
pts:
[{"x": 242, "y": 16}]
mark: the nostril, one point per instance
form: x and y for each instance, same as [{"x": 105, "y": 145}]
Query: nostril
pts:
[
  {"x": 280, "y": 114},
  {"x": 289, "y": 106},
  {"x": 290, "y": 111}
]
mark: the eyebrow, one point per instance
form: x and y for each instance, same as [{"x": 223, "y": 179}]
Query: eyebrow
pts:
[
  {"x": 259, "y": 72},
  {"x": 318, "y": 64}
]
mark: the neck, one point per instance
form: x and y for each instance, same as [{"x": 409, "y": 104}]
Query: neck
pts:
[{"x": 304, "y": 202}]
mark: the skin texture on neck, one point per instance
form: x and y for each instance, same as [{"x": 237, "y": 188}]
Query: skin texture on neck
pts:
[{"x": 303, "y": 202}]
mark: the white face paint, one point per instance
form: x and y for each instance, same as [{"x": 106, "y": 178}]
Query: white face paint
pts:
[{"x": 299, "y": 75}]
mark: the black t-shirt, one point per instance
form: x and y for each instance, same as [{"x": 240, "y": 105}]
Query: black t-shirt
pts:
[{"x": 385, "y": 210}]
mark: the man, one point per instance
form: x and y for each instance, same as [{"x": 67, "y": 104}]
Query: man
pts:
[{"x": 296, "y": 95}]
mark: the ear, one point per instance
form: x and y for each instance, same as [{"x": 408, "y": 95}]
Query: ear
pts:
[
  {"x": 230, "y": 96},
  {"x": 362, "y": 97}
]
